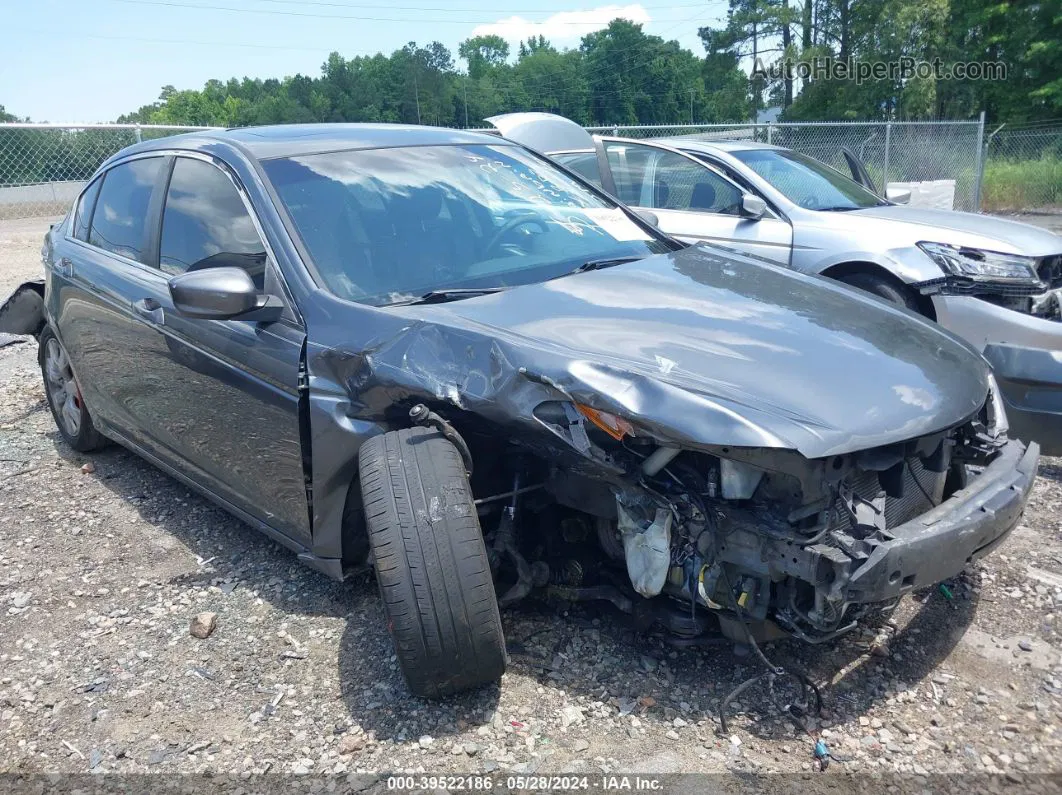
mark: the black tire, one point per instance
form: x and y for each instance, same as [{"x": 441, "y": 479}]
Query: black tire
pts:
[
  {"x": 431, "y": 562},
  {"x": 891, "y": 290},
  {"x": 76, "y": 429}
]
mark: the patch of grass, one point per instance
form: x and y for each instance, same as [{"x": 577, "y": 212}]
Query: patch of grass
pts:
[{"x": 1022, "y": 184}]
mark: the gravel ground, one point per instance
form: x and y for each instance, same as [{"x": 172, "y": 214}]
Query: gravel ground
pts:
[{"x": 105, "y": 561}]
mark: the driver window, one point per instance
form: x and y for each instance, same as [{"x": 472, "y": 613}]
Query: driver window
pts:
[
  {"x": 206, "y": 225},
  {"x": 661, "y": 180}
]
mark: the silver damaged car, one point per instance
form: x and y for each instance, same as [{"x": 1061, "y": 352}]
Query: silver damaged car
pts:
[{"x": 996, "y": 283}]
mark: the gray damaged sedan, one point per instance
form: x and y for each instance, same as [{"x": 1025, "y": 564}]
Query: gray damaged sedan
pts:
[{"x": 438, "y": 354}]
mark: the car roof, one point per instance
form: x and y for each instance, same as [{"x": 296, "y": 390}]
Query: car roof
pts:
[
  {"x": 680, "y": 142},
  {"x": 287, "y": 140}
]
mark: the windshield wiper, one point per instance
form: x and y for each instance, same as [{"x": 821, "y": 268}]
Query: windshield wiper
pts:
[
  {"x": 598, "y": 264},
  {"x": 452, "y": 294}
]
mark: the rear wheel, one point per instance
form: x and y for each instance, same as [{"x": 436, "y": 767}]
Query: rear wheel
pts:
[
  {"x": 431, "y": 562},
  {"x": 891, "y": 290},
  {"x": 64, "y": 396}
]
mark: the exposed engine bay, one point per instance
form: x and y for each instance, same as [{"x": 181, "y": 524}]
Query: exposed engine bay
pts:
[{"x": 718, "y": 539}]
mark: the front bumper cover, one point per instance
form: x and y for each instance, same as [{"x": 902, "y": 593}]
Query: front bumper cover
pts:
[{"x": 941, "y": 542}]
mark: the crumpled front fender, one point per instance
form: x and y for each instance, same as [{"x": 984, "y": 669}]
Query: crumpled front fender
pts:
[{"x": 23, "y": 311}]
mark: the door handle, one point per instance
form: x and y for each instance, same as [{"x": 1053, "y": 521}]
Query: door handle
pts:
[
  {"x": 151, "y": 310},
  {"x": 64, "y": 267}
]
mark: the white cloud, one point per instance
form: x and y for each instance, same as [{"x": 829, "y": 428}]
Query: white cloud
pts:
[{"x": 563, "y": 25}]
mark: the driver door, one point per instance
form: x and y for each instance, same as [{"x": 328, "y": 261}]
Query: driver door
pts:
[{"x": 692, "y": 201}]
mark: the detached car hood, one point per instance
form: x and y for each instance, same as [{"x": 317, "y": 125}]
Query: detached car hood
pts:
[
  {"x": 701, "y": 348},
  {"x": 909, "y": 225}
]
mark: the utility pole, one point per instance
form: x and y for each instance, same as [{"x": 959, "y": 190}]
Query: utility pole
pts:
[
  {"x": 464, "y": 84},
  {"x": 416, "y": 90},
  {"x": 691, "y": 104}
]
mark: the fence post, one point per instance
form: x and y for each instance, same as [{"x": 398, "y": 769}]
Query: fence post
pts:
[
  {"x": 770, "y": 132},
  {"x": 885, "y": 167},
  {"x": 136, "y": 133},
  {"x": 979, "y": 163}
]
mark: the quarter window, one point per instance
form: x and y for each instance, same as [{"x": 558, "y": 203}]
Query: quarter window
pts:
[
  {"x": 206, "y": 225},
  {"x": 119, "y": 221},
  {"x": 83, "y": 215}
]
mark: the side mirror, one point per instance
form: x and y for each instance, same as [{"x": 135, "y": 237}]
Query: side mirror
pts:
[
  {"x": 898, "y": 195},
  {"x": 752, "y": 207},
  {"x": 648, "y": 216},
  {"x": 222, "y": 294}
]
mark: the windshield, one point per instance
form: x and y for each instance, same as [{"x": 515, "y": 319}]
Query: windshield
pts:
[
  {"x": 386, "y": 226},
  {"x": 805, "y": 181}
]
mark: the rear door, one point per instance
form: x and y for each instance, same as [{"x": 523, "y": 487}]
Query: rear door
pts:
[
  {"x": 96, "y": 269},
  {"x": 692, "y": 201}
]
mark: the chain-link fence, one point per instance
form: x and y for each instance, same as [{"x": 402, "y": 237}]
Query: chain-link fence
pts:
[
  {"x": 1023, "y": 168},
  {"x": 941, "y": 152},
  {"x": 43, "y": 166}
]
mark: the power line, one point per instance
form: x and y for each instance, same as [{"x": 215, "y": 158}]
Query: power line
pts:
[
  {"x": 359, "y": 18},
  {"x": 667, "y": 7},
  {"x": 145, "y": 40}
]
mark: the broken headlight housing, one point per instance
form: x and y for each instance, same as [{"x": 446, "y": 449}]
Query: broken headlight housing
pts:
[{"x": 980, "y": 265}]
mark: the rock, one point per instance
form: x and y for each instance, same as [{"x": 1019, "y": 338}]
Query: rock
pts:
[
  {"x": 671, "y": 734},
  {"x": 351, "y": 744},
  {"x": 885, "y": 736},
  {"x": 580, "y": 745},
  {"x": 864, "y": 720},
  {"x": 572, "y": 715},
  {"x": 678, "y": 723},
  {"x": 457, "y": 750},
  {"x": 904, "y": 727},
  {"x": 875, "y": 723},
  {"x": 88, "y": 468},
  {"x": 1025, "y": 645},
  {"x": 20, "y": 599},
  {"x": 425, "y": 741},
  {"x": 203, "y": 625},
  {"x": 471, "y": 749}
]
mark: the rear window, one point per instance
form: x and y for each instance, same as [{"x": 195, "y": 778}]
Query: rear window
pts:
[
  {"x": 582, "y": 163},
  {"x": 120, "y": 218}
]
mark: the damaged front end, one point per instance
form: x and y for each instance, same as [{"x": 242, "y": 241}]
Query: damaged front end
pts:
[
  {"x": 703, "y": 539},
  {"x": 23, "y": 311}
]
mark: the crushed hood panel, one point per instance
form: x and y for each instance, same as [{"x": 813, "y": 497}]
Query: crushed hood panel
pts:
[{"x": 697, "y": 347}]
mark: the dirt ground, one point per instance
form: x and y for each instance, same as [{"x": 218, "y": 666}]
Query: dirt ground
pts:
[{"x": 104, "y": 561}]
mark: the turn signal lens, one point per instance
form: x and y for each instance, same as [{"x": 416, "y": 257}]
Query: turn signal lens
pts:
[{"x": 614, "y": 426}]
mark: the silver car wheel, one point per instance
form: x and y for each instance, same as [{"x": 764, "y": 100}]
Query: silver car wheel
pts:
[{"x": 62, "y": 388}]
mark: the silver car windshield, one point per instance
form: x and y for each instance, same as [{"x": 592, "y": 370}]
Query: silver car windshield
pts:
[
  {"x": 387, "y": 226},
  {"x": 807, "y": 182}
]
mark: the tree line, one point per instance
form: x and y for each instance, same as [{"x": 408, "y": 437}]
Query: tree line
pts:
[{"x": 622, "y": 75}]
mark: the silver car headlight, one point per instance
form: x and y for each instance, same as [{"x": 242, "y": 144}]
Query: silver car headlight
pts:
[{"x": 981, "y": 265}]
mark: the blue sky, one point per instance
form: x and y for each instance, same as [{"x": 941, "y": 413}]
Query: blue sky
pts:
[{"x": 91, "y": 60}]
